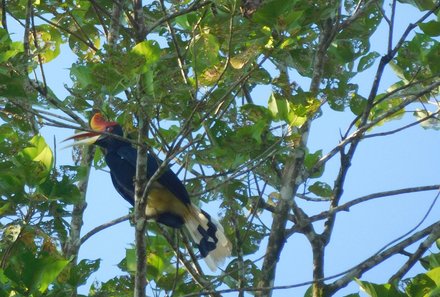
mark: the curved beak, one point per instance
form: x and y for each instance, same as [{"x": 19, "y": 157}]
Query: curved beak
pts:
[
  {"x": 98, "y": 124},
  {"x": 80, "y": 138}
]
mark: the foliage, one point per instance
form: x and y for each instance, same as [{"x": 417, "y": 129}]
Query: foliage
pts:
[{"x": 195, "y": 70}]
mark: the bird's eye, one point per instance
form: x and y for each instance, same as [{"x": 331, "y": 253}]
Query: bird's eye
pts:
[{"x": 109, "y": 129}]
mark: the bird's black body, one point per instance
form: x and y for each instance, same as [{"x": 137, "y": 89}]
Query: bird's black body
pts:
[
  {"x": 168, "y": 201},
  {"x": 121, "y": 158}
]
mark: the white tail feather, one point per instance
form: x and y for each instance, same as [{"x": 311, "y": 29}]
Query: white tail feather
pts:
[{"x": 217, "y": 255}]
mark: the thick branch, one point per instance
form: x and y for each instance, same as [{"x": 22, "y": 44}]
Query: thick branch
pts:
[
  {"x": 73, "y": 243},
  {"x": 114, "y": 23},
  {"x": 140, "y": 204},
  {"x": 139, "y": 20}
]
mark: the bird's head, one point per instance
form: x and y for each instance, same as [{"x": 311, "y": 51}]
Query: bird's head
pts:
[{"x": 99, "y": 135}]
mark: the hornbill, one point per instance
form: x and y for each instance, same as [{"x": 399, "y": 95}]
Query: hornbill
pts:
[{"x": 168, "y": 201}]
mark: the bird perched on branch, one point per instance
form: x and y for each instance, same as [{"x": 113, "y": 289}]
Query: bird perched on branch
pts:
[{"x": 168, "y": 201}]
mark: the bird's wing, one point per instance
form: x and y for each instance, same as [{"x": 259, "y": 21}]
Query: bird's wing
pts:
[
  {"x": 126, "y": 192},
  {"x": 168, "y": 179}
]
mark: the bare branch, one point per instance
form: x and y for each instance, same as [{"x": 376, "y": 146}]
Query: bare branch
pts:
[
  {"x": 423, "y": 247},
  {"x": 104, "y": 226},
  {"x": 348, "y": 275},
  {"x": 371, "y": 262},
  {"x": 430, "y": 116},
  {"x": 348, "y": 205},
  {"x": 356, "y": 135}
]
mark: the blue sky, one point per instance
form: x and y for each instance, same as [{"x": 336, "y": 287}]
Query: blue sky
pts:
[{"x": 407, "y": 159}]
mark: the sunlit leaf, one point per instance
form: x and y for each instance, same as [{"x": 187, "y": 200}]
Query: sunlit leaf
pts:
[
  {"x": 41, "y": 153},
  {"x": 424, "y": 284},
  {"x": 376, "y": 290},
  {"x": 48, "y": 41},
  {"x": 130, "y": 258},
  {"x": 429, "y": 121},
  {"x": 149, "y": 51},
  {"x": 281, "y": 109},
  {"x": 431, "y": 261}
]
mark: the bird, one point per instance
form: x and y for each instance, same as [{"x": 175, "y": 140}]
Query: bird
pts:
[{"x": 168, "y": 201}]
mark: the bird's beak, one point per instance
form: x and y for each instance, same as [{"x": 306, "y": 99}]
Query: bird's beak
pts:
[
  {"x": 98, "y": 124},
  {"x": 87, "y": 138}
]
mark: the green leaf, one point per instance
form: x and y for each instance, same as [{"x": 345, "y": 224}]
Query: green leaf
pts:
[
  {"x": 82, "y": 75},
  {"x": 256, "y": 113},
  {"x": 46, "y": 270},
  {"x": 269, "y": 13},
  {"x": 283, "y": 110},
  {"x": 383, "y": 107},
  {"x": 376, "y": 290},
  {"x": 321, "y": 189},
  {"x": 367, "y": 61},
  {"x": 310, "y": 161},
  {"x": 63, "y": 190},
  {"x": 12, "y": 86},
  {"x": 421, "y": 285},
  {"x": 81, "y": 272},
  {"x": 205, "y": 51},
  {"x": 8, "y": 49},
  {"x": 155, "y": 266},
  {"x": 420, "y": 4},
  {"x": 48, "y": 40},
  {"x": 430, "y": 262},
  {"x": 357, "y": 104},
  {"x": 431, "y": 28},
  {"x": 130, "y": 258},
  {"x": 76, "y": 40},
  {"x": 430, "y": 122},
  {"x": 41, "y": 153},
  {"x": 148, "y": 52},
  {"x": 434, "y": 274}
]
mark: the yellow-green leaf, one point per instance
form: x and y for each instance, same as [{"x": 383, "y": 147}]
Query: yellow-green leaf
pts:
[
  {"x": 150, "y": 52},
  {"x": 39, "y": 152}
]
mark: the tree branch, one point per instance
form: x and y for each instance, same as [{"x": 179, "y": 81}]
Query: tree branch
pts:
[
  {"x": 140, "y": 204},
  {"x": 104, "y": 226},
  {"x": 371, "y": 262},
  {"x": 346, "y": 206},
  {"x": 423, "y": 247}
]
